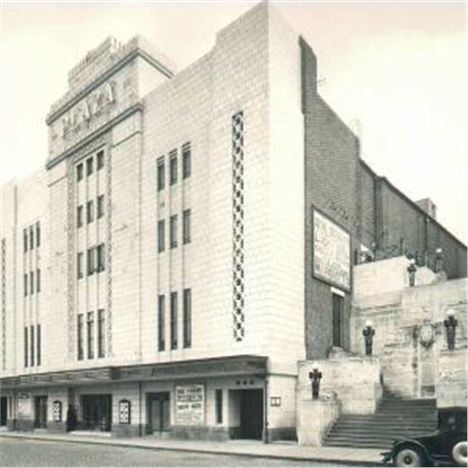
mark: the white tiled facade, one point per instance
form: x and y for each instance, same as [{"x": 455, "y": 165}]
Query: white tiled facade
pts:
[{"x": 244, "y": 264}]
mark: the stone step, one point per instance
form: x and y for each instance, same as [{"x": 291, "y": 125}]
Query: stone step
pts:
[
  {"x": 383, "y": 445},
  {"x": 339, "y": 426}
]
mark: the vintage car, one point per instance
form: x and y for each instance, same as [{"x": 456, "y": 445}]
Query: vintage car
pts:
[{"x": 447, "y": 446}]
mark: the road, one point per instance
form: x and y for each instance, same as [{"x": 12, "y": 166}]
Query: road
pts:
[{"x": 15, "y": 452}]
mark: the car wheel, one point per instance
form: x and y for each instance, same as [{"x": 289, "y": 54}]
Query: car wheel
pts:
[
  {"x": 408, "y": 457},
  {"x": 459, "y": 453}
]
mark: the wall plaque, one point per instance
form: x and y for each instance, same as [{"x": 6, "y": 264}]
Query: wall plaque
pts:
[
  {"x": 332, "y": 252},
  {"x": 189, "y": 405}
]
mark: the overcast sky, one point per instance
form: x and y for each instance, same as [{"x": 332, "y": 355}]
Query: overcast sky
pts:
[{"x": 398, "y": 68}]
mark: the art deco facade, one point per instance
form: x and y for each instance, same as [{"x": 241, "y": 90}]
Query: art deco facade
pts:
[{"x": 190, "y": 238}]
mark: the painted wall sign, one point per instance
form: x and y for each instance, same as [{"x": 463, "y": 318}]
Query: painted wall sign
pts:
[
  {"x": 89, "y": 107},
  {"x": 332, "y": 252},
  {"x": 24, "y": 405},
  {"x": 190, "y": 405}
]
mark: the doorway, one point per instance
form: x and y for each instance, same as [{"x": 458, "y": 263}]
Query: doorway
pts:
[
  {"x": 40, "y": 412},
  {"x": 337, "y": 320},
  {"x": 3, "y": 411},
  {"x": 251, "y": 414},
  {"x": 158, "y": 412},
  {"x": 97, "y": 412}
]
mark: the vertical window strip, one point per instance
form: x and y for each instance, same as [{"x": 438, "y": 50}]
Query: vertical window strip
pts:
[
  {"x": 31, "y": 282},
  {"x": 186, "y": 161},
  {"x": 38, "y": 280},
  {"x": 90, "y": 334},
  {"x": 161, "y": 236},
  {"x": 173, "y": 167},
  {"x": 160, "y": 174},
  {"x": 173, "y": 320},
  {"x": 101, "y": 333},
  {"x": 25, "y": 285},
  {"x": 80, "y": 337},
  {"x": 38, "y": 234},
  {"x": 219, "y": 405},
  {"x": 25, "y": 240},
  {"x": 161, "y": 323},
  {"x": 39, "y": 344},
  {"x": 26, "y": 347},
  {"x": 187, "y": 318},
  {"x": 31, "y": 328},
  {"x": 186, "y": 228},
  {"x": 173, "y": 231}
]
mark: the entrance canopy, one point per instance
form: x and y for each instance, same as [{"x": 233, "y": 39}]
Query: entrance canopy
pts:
[{"x": 215, "y": 367}]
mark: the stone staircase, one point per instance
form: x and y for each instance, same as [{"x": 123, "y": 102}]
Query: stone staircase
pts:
[{"x": 395, "y": 417}]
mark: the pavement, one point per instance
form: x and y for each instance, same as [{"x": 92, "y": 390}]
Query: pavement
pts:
[{"x": 276, "y": 450}]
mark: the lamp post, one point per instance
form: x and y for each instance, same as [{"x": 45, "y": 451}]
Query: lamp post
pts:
[
  {"x": 412, "y": 272},
  {"x": 439, "y": 260},
  {"x": 315, "y": 378},
  {"x": 368, "y": 333},
  {"x": 450, "y": 325}
]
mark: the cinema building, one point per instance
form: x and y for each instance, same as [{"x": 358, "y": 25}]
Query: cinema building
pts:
[{"x": 191, "y": 237}]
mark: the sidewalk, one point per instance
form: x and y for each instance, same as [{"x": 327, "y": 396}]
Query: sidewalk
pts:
[{"x": 278, "y": 450}]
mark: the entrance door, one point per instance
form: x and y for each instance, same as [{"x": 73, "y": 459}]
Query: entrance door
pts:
[
  {"x": 251, "y": 414},
  {"x": 158, "y": 412},
  {"x": 337, "y": 320},
  {"x": 40, "y": 412},
  {"x": 97, "y": 412},
  {"x": 3, "y": 411}
]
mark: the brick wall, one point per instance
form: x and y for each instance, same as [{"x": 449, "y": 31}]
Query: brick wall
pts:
[{"x": 331, "y": 185}]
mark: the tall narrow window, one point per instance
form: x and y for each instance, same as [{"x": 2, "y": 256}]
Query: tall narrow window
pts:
[
  {"x": 100, "y": 206},
  {"x": 337, "y": 319},
  {"x": 161, "y": 323},
  {"x": 100, "y": 333},
  {"x": 173, "y": 229},
  {"x": 186, "y": 234},
  {"x": 187, "y": 318},
  {"x": 80, "y": 337},
  {"x": 79, "y": 216},
  {"x": 90, "y": 212},
  {"x": 26, "y": 347},
  {"x": 161, "y": 173},
  {"x": 173, "y": 167},
  {"x": 32, "y": 345},
  {"x": 25, "y": 240},
  {"x": 31, "y": 238},
  {"x": 186, "y": 161},
  {"x": 100, "y": 160},
  {"x": 79, "y": 265},
  {"x": 89, "y": 166},
  {"x": 161, "y": 236},
  {"x": 173, "y": 320},
  {"x": 38, "y": 234},
  {"x": 38, "y": 339},
  {"x": 38, "y": 280},
  {"x": 101, "y": 261},
  {"x": 90, "y": 333},
  {"x": 91, "y": 260},
  {"x": 31, "y": 282},
  {"x": 79, "y": 172},
  {"x": 25, "y": 286},
  {"x": 219, "y": 405}
]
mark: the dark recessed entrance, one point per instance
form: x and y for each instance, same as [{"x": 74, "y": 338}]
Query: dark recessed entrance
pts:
[
  {"x": 251, "y": 414},
  {"x": 3, "y": 411},
  {"x": 158, "y": 412},
  {"x": 97, "y": 412},
  {"x": 40, "y": 412}
]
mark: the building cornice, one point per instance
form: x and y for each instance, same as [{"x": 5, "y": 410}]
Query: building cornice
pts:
[
  {"x": 95, "y": 134},
  {"x": 138, "y": 52}
]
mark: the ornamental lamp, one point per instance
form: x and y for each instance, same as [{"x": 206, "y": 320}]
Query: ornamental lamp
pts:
[
  {"x": 315, "y": 376},
  {"x": 450, "y": 324},
  {"x": 368, "y": 333}
]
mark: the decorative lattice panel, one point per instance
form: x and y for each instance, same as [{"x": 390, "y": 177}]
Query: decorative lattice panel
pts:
[{"x": 238, "y": 226}]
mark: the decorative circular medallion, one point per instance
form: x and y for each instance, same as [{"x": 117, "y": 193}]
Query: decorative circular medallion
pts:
[{"x": 426, "y": 335}]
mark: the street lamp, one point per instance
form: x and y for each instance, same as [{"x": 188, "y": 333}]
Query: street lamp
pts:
[
  {"x": 450, "y": 325},
  {"x": 315, "y": 378},
  {"x": 368, "y": 333},
  {"x": 412, "y": 272},
  {"x": 439, "y": 260}
]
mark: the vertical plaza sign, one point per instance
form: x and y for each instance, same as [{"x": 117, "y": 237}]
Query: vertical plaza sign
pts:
[
  {"x": 332, "y": 252},
  {"x": 189, "y": 405}
]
